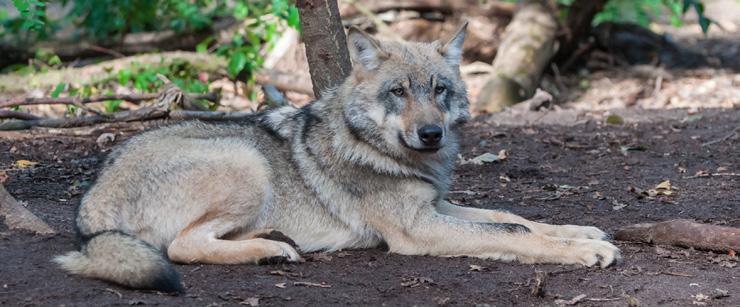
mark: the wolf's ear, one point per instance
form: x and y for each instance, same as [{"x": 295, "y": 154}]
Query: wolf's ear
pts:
[
  {"x": 452, "y": 50},
  {"x": 364, "y": 49}
]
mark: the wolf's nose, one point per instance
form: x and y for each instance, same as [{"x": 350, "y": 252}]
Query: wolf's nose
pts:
[{"x": 430, "y": 135}]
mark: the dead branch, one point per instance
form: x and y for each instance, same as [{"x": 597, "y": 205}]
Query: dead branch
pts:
[
  {"x": 379, "y": 23},
  {"x": 205, "y": 115},
  {"x": 77, "y": 100},
  {"x": 683, "y": 233},
  {"x": 17, "y": 115},
  {"x": 18, "y": 217},
  {"x": 167, "y": 99},
  {"x": 527, "y": 47},
  {"x": 488, "y": 8}
]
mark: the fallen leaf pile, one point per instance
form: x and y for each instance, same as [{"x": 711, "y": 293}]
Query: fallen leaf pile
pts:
[
  {"x": 485, "y": 158},
  {"x": 664, "y": 188}
]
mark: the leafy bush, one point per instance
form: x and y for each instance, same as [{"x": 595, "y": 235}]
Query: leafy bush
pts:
[
  {"x": 106, "y": 22},
  {"x": 643, "y": 12}
]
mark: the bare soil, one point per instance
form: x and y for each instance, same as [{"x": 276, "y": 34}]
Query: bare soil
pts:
[{"x": 556, "y": 174}]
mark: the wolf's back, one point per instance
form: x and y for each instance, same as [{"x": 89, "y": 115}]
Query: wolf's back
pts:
[{"x": 123, "y": 259}]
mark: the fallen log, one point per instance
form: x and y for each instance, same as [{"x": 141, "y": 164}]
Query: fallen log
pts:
[
  {"x": 684, "y": 233},
  {"x": 19, "y": 83},
  {"x": 68, "y": 48},
  {"x": 526, "y": 49},
  {"x": 18, "y": 217}
]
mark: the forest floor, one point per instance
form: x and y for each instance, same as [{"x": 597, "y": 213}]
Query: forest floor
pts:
[{"x": 576, "y": 174}]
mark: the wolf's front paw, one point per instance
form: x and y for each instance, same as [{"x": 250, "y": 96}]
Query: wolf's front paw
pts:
[
  {"x": 577, "y": 232},
  {"x": 591, "y": 252}
]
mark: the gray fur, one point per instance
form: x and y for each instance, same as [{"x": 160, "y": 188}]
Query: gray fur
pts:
[{"x": 346, "y": 171}]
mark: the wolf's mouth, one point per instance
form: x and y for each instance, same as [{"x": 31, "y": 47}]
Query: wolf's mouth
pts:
[{"x": 419, "y": 149}]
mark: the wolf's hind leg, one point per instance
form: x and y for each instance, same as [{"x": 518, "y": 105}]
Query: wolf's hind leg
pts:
[
  {"x": 497, "y": 216},
  {"x": 203, "y": 246}
]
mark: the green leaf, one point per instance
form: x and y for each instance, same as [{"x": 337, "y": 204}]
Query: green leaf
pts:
[
  {"x": 124, "y": 76},
  {"x": 111, "y": 105},
  {"x": 202, "y": 47},
  {"x": 54, "y": 60},
  {"x": 58, "y": 90},
  {"x": 241, "y": 11},
  {"x": 237, "y": 62},
  {"x": 294, "y": 19}
]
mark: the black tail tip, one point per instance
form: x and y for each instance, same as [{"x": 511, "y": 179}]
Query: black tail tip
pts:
[{"x": 168, "y": 282}]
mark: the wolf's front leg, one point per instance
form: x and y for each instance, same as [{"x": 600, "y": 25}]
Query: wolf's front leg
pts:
[
  {"x": 432, "y": 233},
  {"x": 497, "y": 216}
]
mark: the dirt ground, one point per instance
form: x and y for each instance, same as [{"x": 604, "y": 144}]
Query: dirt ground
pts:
[{"x": 556, "y": 174}]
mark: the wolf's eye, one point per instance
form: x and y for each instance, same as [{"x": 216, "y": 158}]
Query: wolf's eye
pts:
[
  {"x": 398, "y": 92},
  {"x": 439, "y": 89}
]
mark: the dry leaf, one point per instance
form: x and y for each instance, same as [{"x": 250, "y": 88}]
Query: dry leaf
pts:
[
  {"x": 280, "y": 285},
  {"x": 25, "y": 163},
  {"x": 412, "y": 282},
  {"x": 3, "y": 177},
  {"x": 720, "y": 293},
  {"x": 486, "y": 158},
  {"x": 250, "y": 301},
  {"x": 477, "y": 268},
  {"x": 617, "y": 205}
]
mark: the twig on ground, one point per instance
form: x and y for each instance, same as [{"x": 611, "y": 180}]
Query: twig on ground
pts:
[{"x": 722, "y": 139}]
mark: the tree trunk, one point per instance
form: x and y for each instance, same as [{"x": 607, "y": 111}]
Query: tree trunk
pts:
[
  {"x": 326, "y": 43},
  {"x": 528, "y": 45},
  {"x": 577, "y": 26},
  {"x": 18, "y": 217}
]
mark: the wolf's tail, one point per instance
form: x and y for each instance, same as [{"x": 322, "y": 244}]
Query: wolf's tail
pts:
[{"x": 123, "y": 259}]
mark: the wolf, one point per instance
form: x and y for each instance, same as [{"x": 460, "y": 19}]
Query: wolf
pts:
[{"x": 368, "y": 163}]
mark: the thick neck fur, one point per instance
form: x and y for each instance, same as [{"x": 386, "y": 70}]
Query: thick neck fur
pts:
[{"x": 323, "y": 135}]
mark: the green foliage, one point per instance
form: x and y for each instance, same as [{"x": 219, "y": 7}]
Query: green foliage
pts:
[
  {"x": 643, "y": 12},
  {"x": 106, "y": 22}
]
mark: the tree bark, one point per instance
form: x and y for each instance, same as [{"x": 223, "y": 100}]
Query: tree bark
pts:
[
  {"x": 528, "y": 45},
  {"x": 577, "y": 26},
  {"x": 683, "y": 233},
  {"x": 326, "y": 43}
]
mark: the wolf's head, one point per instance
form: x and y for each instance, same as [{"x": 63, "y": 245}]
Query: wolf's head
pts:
[{"x": 406, "y": 98}]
